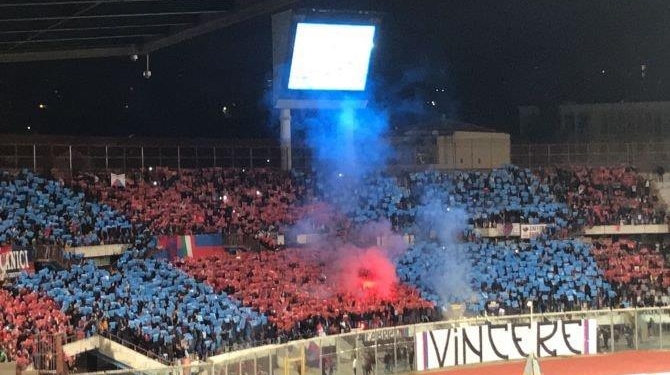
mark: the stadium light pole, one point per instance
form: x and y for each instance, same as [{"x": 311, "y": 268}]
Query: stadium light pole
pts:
[
  {"x": 305, "y": 58},
  {"x": 285, "y": 139}
]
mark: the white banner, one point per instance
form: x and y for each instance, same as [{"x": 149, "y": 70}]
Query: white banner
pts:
[
  {"x": 15, "y": 260},
  {"x": 490, "y": 342},
  {"x": 501, "y": 230},
  {"x": 529, "y": 231},
  {"x": 99, "y": 250},
  {"x": 118, "y": 180}
]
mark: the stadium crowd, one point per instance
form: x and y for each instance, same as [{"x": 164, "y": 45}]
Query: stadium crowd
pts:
[
  {"x": 208, "y": 200},
  {"x": 262, "y": 203},
  {"x": 251, "y": 297},
  {"x": 605, "y": 195},
  {"x": 293, "y": 289},
  {"x": 27, "y": 321},
  {"x": 36, "y": 210},
  {"x": 638, "y": 272},
  {"x": 558, "y": 275},
  {"x": 150, "y": 303}
]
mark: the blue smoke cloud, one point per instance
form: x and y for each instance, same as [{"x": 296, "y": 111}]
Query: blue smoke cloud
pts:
[
  {"x": 348, "y": 142},
  {"x": 449, "y": 270},
  {"x": 350, "y": 153}
]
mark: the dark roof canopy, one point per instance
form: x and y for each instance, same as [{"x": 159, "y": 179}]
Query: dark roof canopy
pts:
[{"x": 32, "y": 30}]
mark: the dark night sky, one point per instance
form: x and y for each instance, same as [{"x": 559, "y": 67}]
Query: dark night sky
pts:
[{"x": 490, "y": 56}]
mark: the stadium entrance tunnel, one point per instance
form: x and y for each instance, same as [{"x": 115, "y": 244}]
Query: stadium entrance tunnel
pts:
[
  {"x": 111, "y": 352},
  {"x": 93, "y": 361}
]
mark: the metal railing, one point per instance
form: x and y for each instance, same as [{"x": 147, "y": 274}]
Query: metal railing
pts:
[
  {"x": 54, "y": 253},
  {"x": 136, "y": 348},
  {"x": 119, "y": 155},
  {"x": 391, "y": 350},
  {"x": 644, "y": 155},
  {"x": 244, "y": 241},
  {"x": 76, "y": 157}
]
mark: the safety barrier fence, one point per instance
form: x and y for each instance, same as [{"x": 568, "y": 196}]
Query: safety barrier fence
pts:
[
  {"x": 647, "y": 156},
  {"x": 121, "y": 155},
  {"x": 392, "y": 350},
  {"x": 76, "y": 157}
]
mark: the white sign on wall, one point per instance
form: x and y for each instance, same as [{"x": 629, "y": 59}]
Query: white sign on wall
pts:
[
  {"x": 532, "y": 230},
  {"x": 490, "y": 342}
]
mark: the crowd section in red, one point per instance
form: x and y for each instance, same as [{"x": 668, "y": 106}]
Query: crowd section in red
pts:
[
  {"x": 208, "y": 200},
  {"x": 25, "y": 319},
  {"x": 639, "y": 272},
  {"x": 605, "y": 195},
  {"x": 295, "y": 288}
]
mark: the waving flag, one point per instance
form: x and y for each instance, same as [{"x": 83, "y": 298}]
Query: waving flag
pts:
[
  {"x": 118, "y": 180},
  {"x": 190, "y": 246}
]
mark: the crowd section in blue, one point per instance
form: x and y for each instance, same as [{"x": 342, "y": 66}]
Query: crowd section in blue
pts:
[
  {"x": 35, "y": 210},
  {"x": 157, "y": 306},
  {"x": 509, "y": 194},
  {"x": 557, "y": 275},
  {"x": 150, "y": 301}
]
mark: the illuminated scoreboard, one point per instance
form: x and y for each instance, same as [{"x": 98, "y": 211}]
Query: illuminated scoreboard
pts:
[
  {"x": 331, "y": 57},
  {"x": 322, "y": 58}
]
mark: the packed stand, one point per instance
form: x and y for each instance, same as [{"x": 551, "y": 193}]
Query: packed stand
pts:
[
  {"x": 374, "y": 198},
  {"x": 252, "y": 202},
  {"x": 558, "y": 275},
  {"x": 27, "y": 322},
  {"x": 162, "y": 309},
  {"x": 293, "y": 289},
  {"x": 149, "y": 303},
  {"x": 638, "y": 272},
  {"x": 504, "y": 195},
  {"x": 262, "y": 203},
  {"x": 35, "y": 210},
  {"x": 605, "y": 195}
]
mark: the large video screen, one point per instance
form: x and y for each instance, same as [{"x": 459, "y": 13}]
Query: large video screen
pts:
[{"x": 331, "y": 57}]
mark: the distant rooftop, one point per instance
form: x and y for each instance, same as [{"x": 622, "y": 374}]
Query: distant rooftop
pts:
[{"x": 443, "y": 126}]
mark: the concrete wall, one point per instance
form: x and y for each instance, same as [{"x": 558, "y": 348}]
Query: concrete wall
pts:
[
  {"x": 8, "y": 368},
  {"x": 99, "y": 250},
  {"x": 609, "y": 230},
  {"x": 474, "y": 150}
]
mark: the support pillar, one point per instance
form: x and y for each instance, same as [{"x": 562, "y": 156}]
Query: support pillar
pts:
[{"x": 285, "y": 139}]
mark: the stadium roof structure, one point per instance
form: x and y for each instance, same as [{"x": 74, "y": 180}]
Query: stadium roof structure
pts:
[{"x": 35, "y": 30}]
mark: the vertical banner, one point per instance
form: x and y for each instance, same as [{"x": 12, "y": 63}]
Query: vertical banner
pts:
[{"x": 487, "y": 343}]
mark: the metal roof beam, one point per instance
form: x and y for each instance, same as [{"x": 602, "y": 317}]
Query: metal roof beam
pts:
[
  {"x": 55, "y": 25},
  {"x": 73, "y": 2},
  {"x": 220, "y": 19},
  {"x": 77, "y": 53},
  {"x": 120, "y": 15},
  {"x": 240, "y": 15},
  {"x": 74, "y": 39},
  {"x": 96, "y": 28}
]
